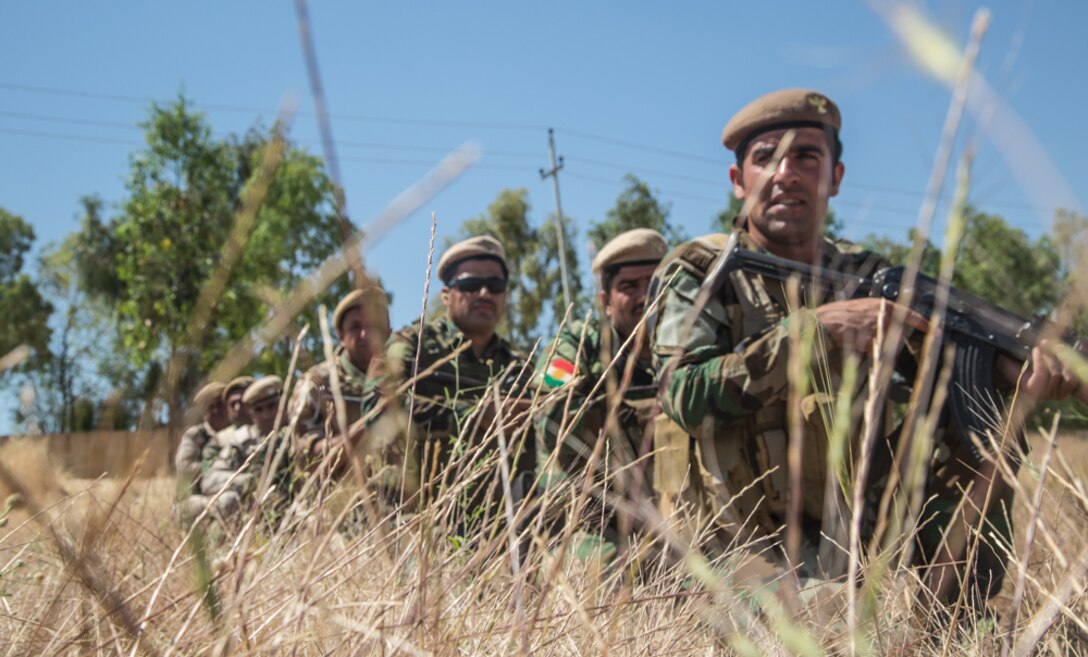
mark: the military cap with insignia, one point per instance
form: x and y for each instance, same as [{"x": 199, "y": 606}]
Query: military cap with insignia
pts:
[
  {"x": 264, "y": 388},
  {"x": 786, "y": 108},
  {"x": 634, "y": 247},
  {"x": 241, "y": 382},
  {"x": 482, "y": 246},
  {"x": 370, "y": 293},
  {"x": 209, "y": 393}
]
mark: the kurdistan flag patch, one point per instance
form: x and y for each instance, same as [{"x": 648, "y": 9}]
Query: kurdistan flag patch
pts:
[{"x": 559, "y": 371}]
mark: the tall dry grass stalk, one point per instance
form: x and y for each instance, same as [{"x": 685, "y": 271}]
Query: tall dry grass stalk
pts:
[
  {"x": 101, "y": 567},
  {"x": 77, "y": 553}
]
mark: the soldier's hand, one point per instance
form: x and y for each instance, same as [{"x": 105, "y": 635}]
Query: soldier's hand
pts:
[
  {"x": 1046, "y": 377},
  {"x": 853, "y": 323}
]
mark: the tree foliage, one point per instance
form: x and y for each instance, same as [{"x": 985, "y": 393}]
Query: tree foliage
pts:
[
  {"x": 24, "y": 311},
  {"x": 150, "y": 262},
  {"x": 636, "y": 207},
  {"x": 70, "y": 391}
]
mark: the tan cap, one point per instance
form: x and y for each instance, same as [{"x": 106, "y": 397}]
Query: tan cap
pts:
[
  {"x": 783, "y": 108},
  {"x": 474, "y": 247},
  {"x": 638, "y": 245},
  {"x": 262, "y": 389},
  {"x": 209, "y": 393},
  {"x": 242, "y": 382},
  {"x": 369, "y": 293}
]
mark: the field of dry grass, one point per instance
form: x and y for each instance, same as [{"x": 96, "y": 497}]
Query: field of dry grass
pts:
[{"x": 102, "y": 567}]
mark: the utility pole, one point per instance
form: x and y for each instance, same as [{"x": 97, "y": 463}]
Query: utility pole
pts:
[{"x": 553, "y": 173}]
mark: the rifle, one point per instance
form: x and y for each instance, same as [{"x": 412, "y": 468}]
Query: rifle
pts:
[{"x": 979, "y": 329}]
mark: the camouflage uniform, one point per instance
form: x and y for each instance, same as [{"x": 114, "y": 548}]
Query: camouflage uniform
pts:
[
  {"x": 225, "y": 454},
  {"x": 313, "y": 409},
  {"x": 188, "y": 461},
  {"x": 729, "y": 388},
  {"x": 729, "y": 391},
  {"x": 443, "y": 408},
  {"x": 581, "y": 362}
]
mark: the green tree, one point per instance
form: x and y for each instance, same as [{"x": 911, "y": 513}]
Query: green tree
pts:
[
  {"x": 25, "y": 313},
  {"x": 898, "y": 253},
  {"x": 151, "y": 261},
  {"x": 1003, "y": 265},
  {"x": 70, "y": 391},
  {"x": 636, "y": 207},
  {"x": 532, "y": 256}
]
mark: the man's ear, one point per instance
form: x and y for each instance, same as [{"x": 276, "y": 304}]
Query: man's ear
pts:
[
  {"x": 446, "y": 296},
  {"x": 603, "y": 300},
  {"x": 837, "y": 172},
  {"x": 736, "y": 177}
]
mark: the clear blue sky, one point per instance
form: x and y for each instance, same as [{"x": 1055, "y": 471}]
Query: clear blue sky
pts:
[{"x": 642, "y": 87}]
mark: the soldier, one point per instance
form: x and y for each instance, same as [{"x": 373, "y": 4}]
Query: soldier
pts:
[
  {"x": 232, "y": 396},
  {"x": 460, "y": 357},
  {"x": 188, "y": 461},
  {"x": 580, "y": 357},
  {"x": 361, "y": 321},
  {"x": 233, "y": 446},
  {"x": 724, "y": 363}
]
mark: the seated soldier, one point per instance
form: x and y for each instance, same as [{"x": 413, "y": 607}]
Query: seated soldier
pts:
[
  {"x": 724, "y": 342},
  {"x": 569, "y": 432},
  {"x": 461, "y": 356},
  {"x": 232, "y": 397},
  {"x": 231, "y": 475},
  {"x": 188, "y": 460},
  {"x": 361, "y": 321}
]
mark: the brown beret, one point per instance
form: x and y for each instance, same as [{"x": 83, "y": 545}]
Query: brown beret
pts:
[
  {"x": 369, "y": 293},
  {"x": 783, "y": 108},
  {"x": 638, "y": 245},
  {"x": 264, "y": 388},
  {"x": 209, "y": 393},
  {"x": 242, "y": 382},
  {"x": 474, "y": 247}
]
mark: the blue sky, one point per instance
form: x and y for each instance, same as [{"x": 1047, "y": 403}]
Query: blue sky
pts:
[{"x": 629, "y": 87}]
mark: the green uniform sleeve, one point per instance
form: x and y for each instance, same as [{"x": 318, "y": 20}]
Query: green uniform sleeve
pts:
[
  {"x": 571, "y": 372},
  {"x": 713, "y": 378}
]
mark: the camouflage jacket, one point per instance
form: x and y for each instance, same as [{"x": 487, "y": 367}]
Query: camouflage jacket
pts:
[
  {"x": 444, "y": 400},
  {"x": 312, "y": 408},
  {"x": 728, "y": 384},
  {"x": 189, "y": 461},
  {"x": 581, "y": 362},
  {"x": 227, "y": 453}
]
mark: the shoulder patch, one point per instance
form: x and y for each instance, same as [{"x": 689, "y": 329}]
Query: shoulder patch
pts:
[{"x": 559, "y": 372}]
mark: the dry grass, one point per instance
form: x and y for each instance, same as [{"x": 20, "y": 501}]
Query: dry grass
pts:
[{"x": 89, "y": 567}]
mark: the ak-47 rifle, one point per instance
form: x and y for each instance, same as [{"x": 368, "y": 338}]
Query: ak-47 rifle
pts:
[{"x": 978, "y": 329}]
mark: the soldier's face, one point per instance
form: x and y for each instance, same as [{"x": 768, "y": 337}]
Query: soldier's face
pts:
[
  {"x": 471, "y": 305},
  {"x": 360, "y": 336},
  {"x": 264, "y": 414},
  {"x": 216, "y": 416},
  {"x": 238, "y": 412},
  {"x": 625, "y": 299},
  {"x": 789, "y": 210}
]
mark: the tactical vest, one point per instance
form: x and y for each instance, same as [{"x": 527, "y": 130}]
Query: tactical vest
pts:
[{"x": 742, "y": 464}]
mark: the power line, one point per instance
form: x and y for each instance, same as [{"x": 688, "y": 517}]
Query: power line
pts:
[
  {"x": 854, "y": 184},
  {"x": 641, "y": 147},
  {"x": 67, "y": 137},
  {"x": 448, "y": 123},
  {"x": 46, "y": 118}
]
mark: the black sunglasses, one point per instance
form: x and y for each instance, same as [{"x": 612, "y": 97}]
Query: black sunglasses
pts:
[{"x": 473, "y": 284}]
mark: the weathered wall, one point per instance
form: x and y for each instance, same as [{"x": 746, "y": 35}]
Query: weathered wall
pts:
[{"x": 108, "y": 453}]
